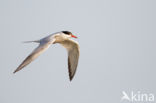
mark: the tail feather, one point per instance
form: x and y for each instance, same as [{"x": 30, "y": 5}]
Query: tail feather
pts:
[{"x": 36, "y": 41}]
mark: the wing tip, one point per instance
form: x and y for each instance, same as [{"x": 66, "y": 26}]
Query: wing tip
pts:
[
  {"x": 15, "y": 71},
  {"x": 18, "y": 69},
  {"x": 70, "y": 78}
]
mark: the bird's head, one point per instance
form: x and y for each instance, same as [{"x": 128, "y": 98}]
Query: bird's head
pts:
[
  {"x": 68, "y": 34},
  {"x": 63, "y": 35}
]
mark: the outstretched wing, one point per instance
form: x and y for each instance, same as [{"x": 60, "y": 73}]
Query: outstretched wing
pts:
[
  {"x": 73, "y": 56},
  {"x": 40, "y": 49}
]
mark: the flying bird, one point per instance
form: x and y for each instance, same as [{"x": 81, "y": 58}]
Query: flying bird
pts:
[{"x": 63, "y": 38}]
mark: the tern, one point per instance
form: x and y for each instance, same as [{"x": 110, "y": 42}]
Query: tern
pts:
[{"x": 63, "y": 38}]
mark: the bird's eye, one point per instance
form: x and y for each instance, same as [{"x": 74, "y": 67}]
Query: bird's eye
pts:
[{"x": 66, "y": 32}]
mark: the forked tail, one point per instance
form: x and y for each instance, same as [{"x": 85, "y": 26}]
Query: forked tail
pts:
[{"x": 36, "y": 41}]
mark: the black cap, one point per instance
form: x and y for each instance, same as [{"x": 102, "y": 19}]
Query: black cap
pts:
[{"x": 66, "y": 32}]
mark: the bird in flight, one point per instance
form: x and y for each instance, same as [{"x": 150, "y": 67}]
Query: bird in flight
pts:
[{"x": 62, "y": 38}]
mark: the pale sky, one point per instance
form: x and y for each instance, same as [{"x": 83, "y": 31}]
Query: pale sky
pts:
[{"x": 117, "y": 50}]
